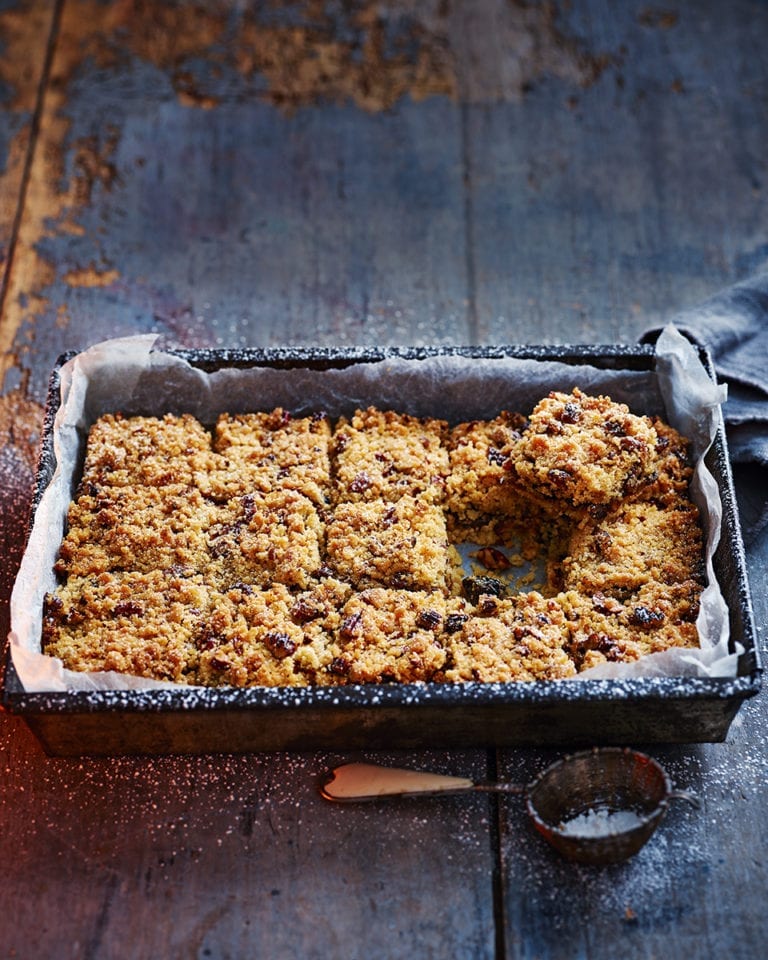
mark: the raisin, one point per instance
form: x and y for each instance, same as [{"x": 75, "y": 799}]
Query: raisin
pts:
[
  {"x": 631, "y": 443},
  {"x": 207, "y": 639},
  {"x": 571, "y": 413},
  {"x": 350, "y": 628},
  {"x": 128, "y": 608},
  {"x": 475, "y": 587},
  {"x": 454, "y": 622},
  {"x": 283, "y": 417},
  {"x": 52, "y": 606},
  {"x": 614, "y": 428},
  {"x": 220, "y": 663},
  {"x": 487, "y": 606},
  {"x": 339, "y": 666},
  {"x": 646, "y": 618},
  {"x": 279, "y": 644},
  {"x": 400, "y": 580},
  {"x": 605, "y": 645},
  {"x": 390, "y": 516},
  {"x": 559, "y": 478},
  {"x": 303, "y": 611},
  {"x": 603, "y": 542},
  {"x": 361, "y": 483},
  {"x": 220, "y": 547},
  {"x": 428, "y": 619},
  {"x": 244, "y": 588},
  {"x": 496, "y": 457}
]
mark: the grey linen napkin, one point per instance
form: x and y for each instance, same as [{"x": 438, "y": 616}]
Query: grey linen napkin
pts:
[{"x": 733, "y": 326}]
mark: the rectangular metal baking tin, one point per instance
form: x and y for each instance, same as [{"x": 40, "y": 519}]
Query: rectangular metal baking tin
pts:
[{"x": 193, "y": 720}]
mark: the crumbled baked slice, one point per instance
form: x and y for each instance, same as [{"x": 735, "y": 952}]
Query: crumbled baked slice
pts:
[
  {"x": 655, "y": 618},
  {"x": 477, "y": 485},
  {"x": 399, "y": 545},
  {"x": 635, "y": 543},
  {"x": 144, "y": 451},
  {"x": 388, "y": 455},
  {"x": 146, "y": 624},
  {"x": 672, "y": 467},
  {"x": 520, "y": 638},
  {"x": 265, "y": 451},
  {"x": 139, "y": 528},
  {"x": 481, "y": 505},
  {"x": 580, "y": 451},
  {"x": 271, "y": 637},
  {"x": 390, "y": 635},
  {"x": 266, "y": 538}
]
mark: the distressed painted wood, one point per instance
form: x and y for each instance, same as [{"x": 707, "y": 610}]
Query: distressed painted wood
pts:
[
  {"x": 25, "y": 30},
  {"x": 324, "y": 173}
]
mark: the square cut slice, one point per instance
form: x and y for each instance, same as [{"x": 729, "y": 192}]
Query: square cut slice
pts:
[
  {"x": 272, "y": 638},
  {"x": 139, "y": 528},
  {"x": 656, "y": 618},
  {"x": 266, "y": 538},
  {"x": 401, "y": 545},
  {"x": 267, "y": 451},
  {"x": 521, "y": 638},
  {"x": 145, "y": 624},
  {"x": 144, "y": 451},
  {"x": 580, "y": 451},
  {"x": 391, "y": 635},
  {"x": 634, "y": 544},
  {"x": 388, "y": 455},
  {"x": 478, "y": 483}
]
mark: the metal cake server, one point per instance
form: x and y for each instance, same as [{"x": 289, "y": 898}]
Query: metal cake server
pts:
[{"x": 355, "y": 782}]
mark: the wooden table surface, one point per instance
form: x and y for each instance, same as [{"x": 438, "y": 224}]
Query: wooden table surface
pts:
[{"x": 405, "y": 172}]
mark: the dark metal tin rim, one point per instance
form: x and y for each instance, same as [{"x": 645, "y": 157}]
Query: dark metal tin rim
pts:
[{"x": 641, "y": 691}]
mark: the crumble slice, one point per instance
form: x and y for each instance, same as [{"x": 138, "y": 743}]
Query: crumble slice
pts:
[
  {"x": 144, "y": 624},
  {"x": 265, "y": 451},
  {"x": 672, "y": 467},
  {"x": 388, "y": 455},
  {"x": 390, "y": 635},
  {"x": 137, "y": 528},
  {"x": 272, "y": 637},
  {"x": 580, "y": 451},
  {"x": 266, "y": 538},
  {"x": 655, "y": 618},
  {"x": 481, "y": 505},
  {"x": 502, "y": 640},
  {"x": 399, "y": 545},
  {"x": 635, "y": 543},
  {"x": 148, "y": 451}
]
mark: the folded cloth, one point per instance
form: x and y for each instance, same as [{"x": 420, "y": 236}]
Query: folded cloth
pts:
[{"x": 733, "y": 326}]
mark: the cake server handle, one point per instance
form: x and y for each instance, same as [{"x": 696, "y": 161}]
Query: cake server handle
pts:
[{"x": 356, "y": 782}]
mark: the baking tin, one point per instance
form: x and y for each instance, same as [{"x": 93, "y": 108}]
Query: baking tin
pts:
[{"x": 583, "y": 712}]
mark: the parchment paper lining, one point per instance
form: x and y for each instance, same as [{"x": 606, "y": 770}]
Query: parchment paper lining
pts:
[{"x": 130, "y": 376}]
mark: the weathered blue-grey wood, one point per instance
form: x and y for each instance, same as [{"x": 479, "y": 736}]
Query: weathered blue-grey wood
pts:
[{"x": 234, "y": 857}]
